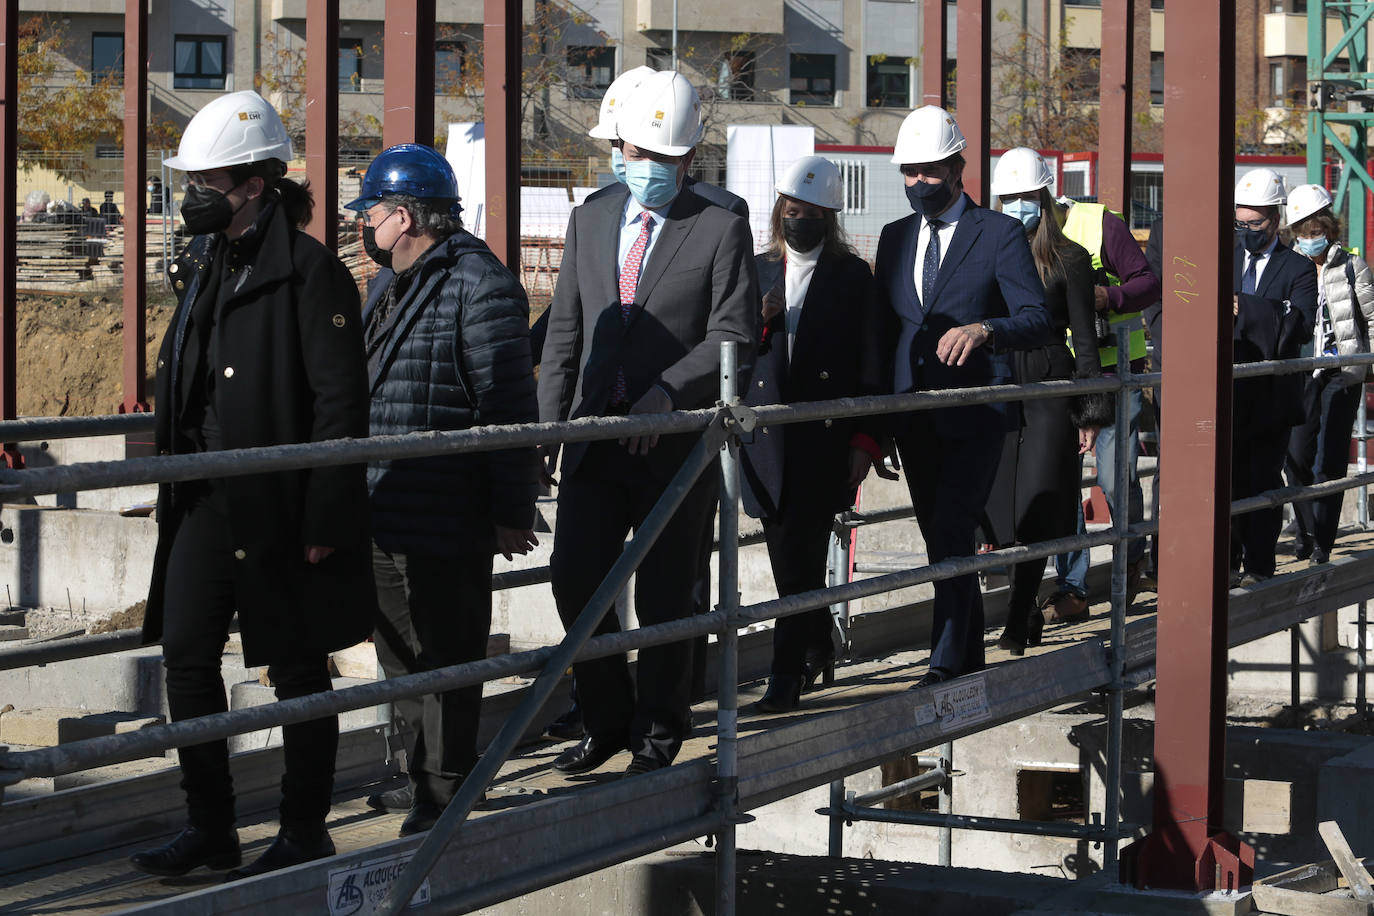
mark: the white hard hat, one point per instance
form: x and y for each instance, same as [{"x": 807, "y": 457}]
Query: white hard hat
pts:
[
  {"x": 813, "y": 180},
  {"x": 1260, "y": 188},
  {"x": 1304, "y": 200},
  {"x": 234, "y": 129},
  {"x": 928, "y": 134},
  {"x": 1019, "y": 170},
  {"x": 616, "y": 93},
  {"x": 661, "y": 115}
]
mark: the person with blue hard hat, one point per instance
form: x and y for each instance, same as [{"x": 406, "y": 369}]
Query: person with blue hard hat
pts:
[{"x": 446, "y": 330}]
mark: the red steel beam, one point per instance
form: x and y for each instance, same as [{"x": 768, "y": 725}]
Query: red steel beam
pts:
[
  {"x": 974, "y": 93},
  {"x": 408, "y": 73},
  {"x": 934, "y": 35},
  {"x": 322, "y": 117},
  {"x": 135, "y": 227},
  {"x": 9, "y": 167},
  {"x": 1115, "y": 112},
  {"x": 501, "y": 43},
  {"x": 1187, "y": 848}
]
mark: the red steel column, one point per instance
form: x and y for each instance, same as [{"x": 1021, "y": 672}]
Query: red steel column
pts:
[
  {"x": 322, "y": 117},
  {"x": 934, "y": 35},
  {"x": 974, "y": 93},
  {"x": 9, "y": 166},
  {"x": 501, "y": 60},
  {"x": 1115, "y": 112},
  {"x": 1187, "y": 848},
  {"x": 408, "y": 73},
  {"x": 135, "y": 178}
]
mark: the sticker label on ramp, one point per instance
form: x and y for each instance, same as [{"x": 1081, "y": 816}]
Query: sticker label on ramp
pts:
[
  {"x": 358, "y": 890},
  {"x": 961, "y": 703}
]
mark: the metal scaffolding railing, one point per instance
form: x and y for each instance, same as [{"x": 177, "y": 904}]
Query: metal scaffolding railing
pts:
[{"x": 720, "y": 430}]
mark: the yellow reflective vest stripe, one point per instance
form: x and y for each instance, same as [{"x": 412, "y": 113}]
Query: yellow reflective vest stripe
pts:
[{"x": 1084, "y": 226}]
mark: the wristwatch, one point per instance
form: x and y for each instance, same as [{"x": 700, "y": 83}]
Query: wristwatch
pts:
[{"x": 989, "y": 330}]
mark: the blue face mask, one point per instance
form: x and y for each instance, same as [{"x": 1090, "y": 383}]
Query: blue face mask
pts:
[
  {"x": 1313, "y": 247},
  {"x": 653, "y": 184},
  {"x": 1027, "y": 211},
  {"x": 618, "y": 164}
]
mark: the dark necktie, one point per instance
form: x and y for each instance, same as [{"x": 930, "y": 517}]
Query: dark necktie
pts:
[
  {"x": 931, "y": 268},
  {"x": 1247, "y": 279}
]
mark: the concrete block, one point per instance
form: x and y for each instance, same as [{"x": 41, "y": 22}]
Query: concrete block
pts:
[
  {"x": 113, "y": 771},
  {"x": 41, "y": 727},
  {"x": 107, "y": 723},
  {"x": 56, "y": 452},
  {"x": 251, "y": 693},
  {"x": 13, "y": 617},
  {"x": 358, "y": 661},
  {"x": 12, "y": 633}
]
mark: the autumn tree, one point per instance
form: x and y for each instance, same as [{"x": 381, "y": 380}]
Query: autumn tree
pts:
[
  {"x": 281, "y": 80},
  {"x": 1047, "y": 93},
  {"x": 62, "y": 113}
]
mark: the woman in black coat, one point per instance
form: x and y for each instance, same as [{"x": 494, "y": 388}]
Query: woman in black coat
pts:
[
  {"x": 265, "y": 348},
  {"x": 1038, "y": 485},
  {"x": 819, "y": 341}
]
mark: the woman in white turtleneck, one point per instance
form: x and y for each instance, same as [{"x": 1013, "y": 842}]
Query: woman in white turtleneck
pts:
[{"x": 819, "y": 340}]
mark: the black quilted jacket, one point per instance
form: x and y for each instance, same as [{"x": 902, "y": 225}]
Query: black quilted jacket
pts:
[{"x": 452, "y": 353}]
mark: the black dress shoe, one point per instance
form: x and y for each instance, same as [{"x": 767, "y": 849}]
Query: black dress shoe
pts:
[
  {"x": 643, "y": 764},
  {"x": 819, "y": 664},
  {"x": 289, "y": 848},
  {"x": 587, "y": 754},
  {"x": 783, "y": 693},
  {"x": 192, "y": 848},
  {"x": 567, "y": 727},
  {"x": 392, "y": 801},
  {"x": 1320, "y": 557},
  {"x": 422, "y": 817},
  {"x": 932, "y": 677},
  {"x": 1302, "y": 546}
]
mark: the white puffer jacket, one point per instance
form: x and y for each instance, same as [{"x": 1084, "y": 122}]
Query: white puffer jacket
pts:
[{"x": 1351, "y": 307}]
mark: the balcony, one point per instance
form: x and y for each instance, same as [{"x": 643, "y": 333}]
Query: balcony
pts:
[
  {"x": 370, "y": 10},
  {"x": 1285, "y": 34},
  {"x": 729, "y": 16}
]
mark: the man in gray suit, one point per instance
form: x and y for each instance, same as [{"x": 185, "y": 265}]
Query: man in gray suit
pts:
[{"x": 652, "y": 281}]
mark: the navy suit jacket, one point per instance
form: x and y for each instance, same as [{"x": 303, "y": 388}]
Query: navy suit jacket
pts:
[
  {"x": 987, "y": 274},
  {"x": 1273, "y": 322}
]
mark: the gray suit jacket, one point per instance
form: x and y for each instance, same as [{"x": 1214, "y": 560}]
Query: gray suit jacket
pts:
[{"x": 698, "y": 288}]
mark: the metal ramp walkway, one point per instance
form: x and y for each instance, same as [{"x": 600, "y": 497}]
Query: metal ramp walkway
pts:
[{"x": 535, "y": 819}]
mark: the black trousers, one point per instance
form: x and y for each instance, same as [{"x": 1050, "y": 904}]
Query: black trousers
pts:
[
  {"x": 1319, "y": 450},
  {"x": 1256, "y": 466},
  {"x": 200, "y": 603},
  {"x": 435, "y": 612},
  {"x": 949, "y": 480},
  {"x": 609, "y": 494},
  {"x": 797, "y": 547}
]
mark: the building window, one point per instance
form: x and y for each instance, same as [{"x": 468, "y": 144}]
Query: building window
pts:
[
  {"x": 1147, "y": 198},
  {"x": 107, "y": 57},
  {"x": 854, "y": 174},
  {"x": 735, "y": 78},
  {"x": 350, "y": 65},
  {"x": 1082, "y": 2},
  {"x": 1082, "y": 73},
  {"x": 1156, "y": 77},
  {"x": 1278, "y": 85},
  {"x": 889, "y": 83},
  {"x": 659, "y": 58},
  {"x": 812, "y": 79},
  {"x": 448, "y": 65},
  {"x": 1156, "y": 4},
  {"x": 590, "y": 71},
  {"x": 199, "y": 62}
]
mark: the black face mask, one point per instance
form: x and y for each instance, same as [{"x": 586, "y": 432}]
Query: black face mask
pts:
[
  {"x": 1254, "y": 240},
  {"x": 381, "y": 256},
  {"x": 803, "y": 234},
  {"x": 929, "y": 200},
  {"x": 205, "y": 210}
]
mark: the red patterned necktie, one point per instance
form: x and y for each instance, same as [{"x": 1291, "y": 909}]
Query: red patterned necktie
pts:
[{"x": 629, "y": 279}]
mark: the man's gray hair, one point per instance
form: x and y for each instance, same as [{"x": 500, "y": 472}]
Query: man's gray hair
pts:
[{"x": 435, "y": 217}]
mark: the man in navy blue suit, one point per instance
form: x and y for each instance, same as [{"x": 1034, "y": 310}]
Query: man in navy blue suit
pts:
[
  {"x": 962, "y": 291},
  {"x": 1275, "y": 310}
]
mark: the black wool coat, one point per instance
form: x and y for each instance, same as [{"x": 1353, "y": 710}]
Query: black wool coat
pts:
[
  {"x": 838, "y": 353},
  {"x": 289, "y": 367}
]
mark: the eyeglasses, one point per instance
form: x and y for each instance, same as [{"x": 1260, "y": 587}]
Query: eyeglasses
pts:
[
  {"x": 1256, "y": 224},
  {"x": 367, "y": 217},
  {"x": 926, "y": 169},
  {"x": 203, "y": 180}
]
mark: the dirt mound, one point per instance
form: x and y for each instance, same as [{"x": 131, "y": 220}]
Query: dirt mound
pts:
[
  {"x": 128, "y": 619},
  {"x": 70, "y": 359}
]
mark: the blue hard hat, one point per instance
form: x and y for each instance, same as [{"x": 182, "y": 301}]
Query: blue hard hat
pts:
[{"x": 408, "y": 168}]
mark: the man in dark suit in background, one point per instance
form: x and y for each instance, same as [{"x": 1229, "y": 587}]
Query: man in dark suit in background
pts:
[
  {"x": 652, "y": 281},
  {"x": 962, "y": 291},
  {"x": 1275, "y": 310}
]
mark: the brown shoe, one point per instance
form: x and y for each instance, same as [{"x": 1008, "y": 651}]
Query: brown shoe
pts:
[{"x": 1066, "y": 607}]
